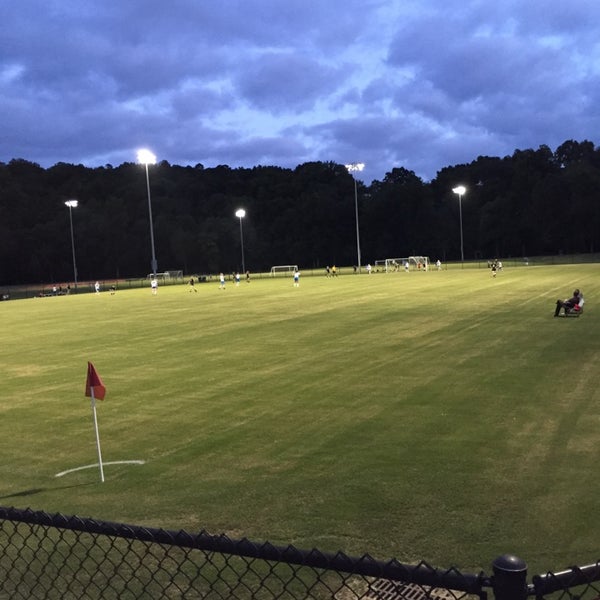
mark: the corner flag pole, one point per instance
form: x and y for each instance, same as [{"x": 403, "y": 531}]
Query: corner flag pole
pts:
[
  {"x": 97, "y": 436},
  {"x": 94, "y": 387}
]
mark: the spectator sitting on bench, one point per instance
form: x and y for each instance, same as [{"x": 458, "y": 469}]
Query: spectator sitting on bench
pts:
[{"x": 569, "y": 304}]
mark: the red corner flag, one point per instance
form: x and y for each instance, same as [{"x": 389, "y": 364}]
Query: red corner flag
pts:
[{"x": 94, "y": 383}]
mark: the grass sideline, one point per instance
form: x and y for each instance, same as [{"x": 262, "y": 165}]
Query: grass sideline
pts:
[{"x": 443, "y": 416}]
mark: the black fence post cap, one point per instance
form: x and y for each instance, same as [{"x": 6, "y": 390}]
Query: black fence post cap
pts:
[{"x": 508, "y": 563}]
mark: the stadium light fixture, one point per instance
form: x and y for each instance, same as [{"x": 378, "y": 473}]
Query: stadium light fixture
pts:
[
  {"x": 71, "y": 204},
  {"x": 145, "y": 157},
  {"x": 354, "y": 168},
  {"x": 460, "y": 190},
  {"x": 241, "y": 213}
]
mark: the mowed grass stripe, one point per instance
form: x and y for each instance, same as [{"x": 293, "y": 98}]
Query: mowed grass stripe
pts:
[{"x": 443, "y": 415}]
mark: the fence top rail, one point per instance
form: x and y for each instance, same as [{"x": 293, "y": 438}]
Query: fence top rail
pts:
[
  {"x": 420, "y": 573},
  {"x": 573, "y": 577}
]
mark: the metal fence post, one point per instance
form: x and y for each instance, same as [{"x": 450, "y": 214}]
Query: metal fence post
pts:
[{"x": 510, "y": 578}]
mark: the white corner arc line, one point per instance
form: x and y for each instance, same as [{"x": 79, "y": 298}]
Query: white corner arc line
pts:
[{"x": 114, "y": 462}]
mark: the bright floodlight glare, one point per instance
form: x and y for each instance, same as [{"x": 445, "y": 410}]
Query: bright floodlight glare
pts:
[
  {"x": 355, "y": 166},
  {"x": 71, "y": 203},
  {"x": 145, "y": 157},
  {"x": 240, "y": 213},
  {"x": 460, "y": 190}
]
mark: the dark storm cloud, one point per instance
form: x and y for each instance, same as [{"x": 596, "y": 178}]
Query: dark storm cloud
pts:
[
  {"x": 419, "y": 84},
  {"x": 286, "y": 82}
]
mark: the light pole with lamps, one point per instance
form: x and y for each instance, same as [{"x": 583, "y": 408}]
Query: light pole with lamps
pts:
[
  {"x": 353, "y": 168},
  {"x": 145, "y": 157},
  {"x": 241, "y": 213},
  {"x": 71, "y": 204},
  {"x": 460, "y": 190}
]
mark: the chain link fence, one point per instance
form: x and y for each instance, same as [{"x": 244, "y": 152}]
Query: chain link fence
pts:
[{"x": 52, "y": 556}]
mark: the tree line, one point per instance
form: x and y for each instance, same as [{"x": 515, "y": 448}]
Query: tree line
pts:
[{"x": 533, "y": 202}]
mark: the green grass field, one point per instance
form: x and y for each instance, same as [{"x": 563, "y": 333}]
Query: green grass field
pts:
[{"x": 444, "y": 416}]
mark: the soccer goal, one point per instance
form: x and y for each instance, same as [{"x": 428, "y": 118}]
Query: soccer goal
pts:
[
  {"x": 414, "y": 263},
  {"x": 419, "y": 263},
  {"x": 167, "y": 275},
  {"x": 283, "y": 269},
  {"x": 391, "y": 265},
  {"x": 394, "y": 264}
]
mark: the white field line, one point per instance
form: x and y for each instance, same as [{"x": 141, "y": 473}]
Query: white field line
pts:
[{"x": 115, "y": 462}]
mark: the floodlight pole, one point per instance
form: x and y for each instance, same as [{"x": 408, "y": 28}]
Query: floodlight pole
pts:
[
  {"x": 146, "y": 158},
  {"x": 352, "y": 168},
  {"x": 460, "y": 190},
  {"x": 71, "y": 204},
  {"x": 241, "y": 213}
]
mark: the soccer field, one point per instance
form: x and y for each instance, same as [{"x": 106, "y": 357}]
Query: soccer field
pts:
[{"x": 444, "y": 416}]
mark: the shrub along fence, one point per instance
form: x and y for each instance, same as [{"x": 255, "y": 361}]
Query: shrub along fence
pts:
[{"x": 56, "y": 556}]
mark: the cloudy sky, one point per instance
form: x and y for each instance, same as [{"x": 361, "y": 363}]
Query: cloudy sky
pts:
[{"x": 420, "y": 84}]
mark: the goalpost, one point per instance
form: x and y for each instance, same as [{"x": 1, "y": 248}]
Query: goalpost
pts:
[
  {"x": 415, "y": 263},
  {"x": 381, "y": 264},
  {"x": 283, "y": 269},
  {"x": 167, "y": 275},
  {"x": 419, "y": 263},
  {"x": 178, "y": 275},
  {"x": 394, "y": 264}
]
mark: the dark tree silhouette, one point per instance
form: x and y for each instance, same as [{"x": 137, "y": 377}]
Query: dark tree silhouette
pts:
[{"x": 533, "y": 202}]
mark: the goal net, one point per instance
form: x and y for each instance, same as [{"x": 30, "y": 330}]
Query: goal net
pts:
[
  {"x": 283, "y": 269},
  {"x": 380, "y": 265},
  {"x": 167, "y": 275},
  {"x": 413, "y": 263},
  {"x": 394, "y": 264},
  {"x": 391, "y": 265},
  {"x": 174, "y": 275},
  {"x": 419, "y": 263}
]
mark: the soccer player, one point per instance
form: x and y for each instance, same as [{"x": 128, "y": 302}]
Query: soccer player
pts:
[
  {"x": 221, "y": 281},
  {"x": 192, "y": 285},
  {"x": 296, "y": 278},
  {"x": 154, "y": 286}
]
